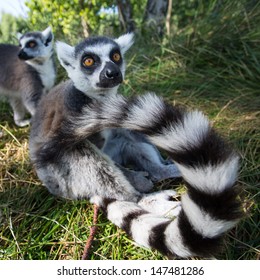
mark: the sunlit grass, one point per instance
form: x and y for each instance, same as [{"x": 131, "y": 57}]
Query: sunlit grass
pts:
[{"x": 216, "y": 69}]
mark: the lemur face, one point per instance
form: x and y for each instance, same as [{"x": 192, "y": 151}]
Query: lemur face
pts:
[
  {"x": 96, "y": 65},
  {"x": 36, "y": 45}
]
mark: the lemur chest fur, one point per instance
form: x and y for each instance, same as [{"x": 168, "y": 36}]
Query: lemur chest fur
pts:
[{"x": 47, "y": 73}]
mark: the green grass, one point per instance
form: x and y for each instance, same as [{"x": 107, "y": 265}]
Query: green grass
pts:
[{"x": 212, "y": 65}]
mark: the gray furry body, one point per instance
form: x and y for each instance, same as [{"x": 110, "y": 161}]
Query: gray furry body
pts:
[
  {"x": 78, "y": 171},
  {"x": 27, "y": 72}
]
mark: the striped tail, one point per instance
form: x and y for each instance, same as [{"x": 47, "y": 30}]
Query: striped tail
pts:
[{"x": 209, "y": 166}]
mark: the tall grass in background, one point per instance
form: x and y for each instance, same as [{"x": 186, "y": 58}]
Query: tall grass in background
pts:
[{"x": 212, "y": 64}]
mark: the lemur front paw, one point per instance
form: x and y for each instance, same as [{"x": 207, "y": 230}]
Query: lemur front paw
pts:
[
  {"x": 139, "y": 180},
  {"x": 165, "y": 172},
  {"x": 162, "y": 203}
]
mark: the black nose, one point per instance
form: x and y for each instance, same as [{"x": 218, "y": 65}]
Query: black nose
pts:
[
  {"x": 20, "y": 54},
  {"x": 112, "y": 73},
  {"x": 111, "y": 76},
  {"x": 23, "y": 55}
]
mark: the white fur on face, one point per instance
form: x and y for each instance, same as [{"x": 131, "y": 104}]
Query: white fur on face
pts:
[
  {"x": 87, "y": 83},
  {"x": 42, "y": 52}
]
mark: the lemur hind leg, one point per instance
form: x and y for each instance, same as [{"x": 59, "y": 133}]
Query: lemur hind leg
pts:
[
  {"x": 19, "y": 112},
  {"x": 82, "y": 172},
  {"x": 87, "y": 172}
]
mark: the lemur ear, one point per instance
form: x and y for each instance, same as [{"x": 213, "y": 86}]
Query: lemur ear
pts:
[
  {"x": 19, "y": 35},
  {"x": 125, "y": 41},
  {"x": 48, "y": 35},
  {"x": 66, "y": 55}
]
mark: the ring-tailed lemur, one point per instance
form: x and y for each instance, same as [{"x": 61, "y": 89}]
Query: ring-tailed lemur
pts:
[
  {"x": 71, "y": 166},
  {"x": 124, "y": 147},
  {"x": 27, "y": 72}
]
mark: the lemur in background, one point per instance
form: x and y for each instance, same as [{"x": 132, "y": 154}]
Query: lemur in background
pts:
[
  {"x": 69, "y": 165},
  {"x": 27, "y": 72}
]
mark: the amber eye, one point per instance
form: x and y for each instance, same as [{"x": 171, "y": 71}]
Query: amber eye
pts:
[
  {"x": 31, "y": 44},
  {"x": 116, "y": 57},
  {"x": 88, "y": 61}
]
